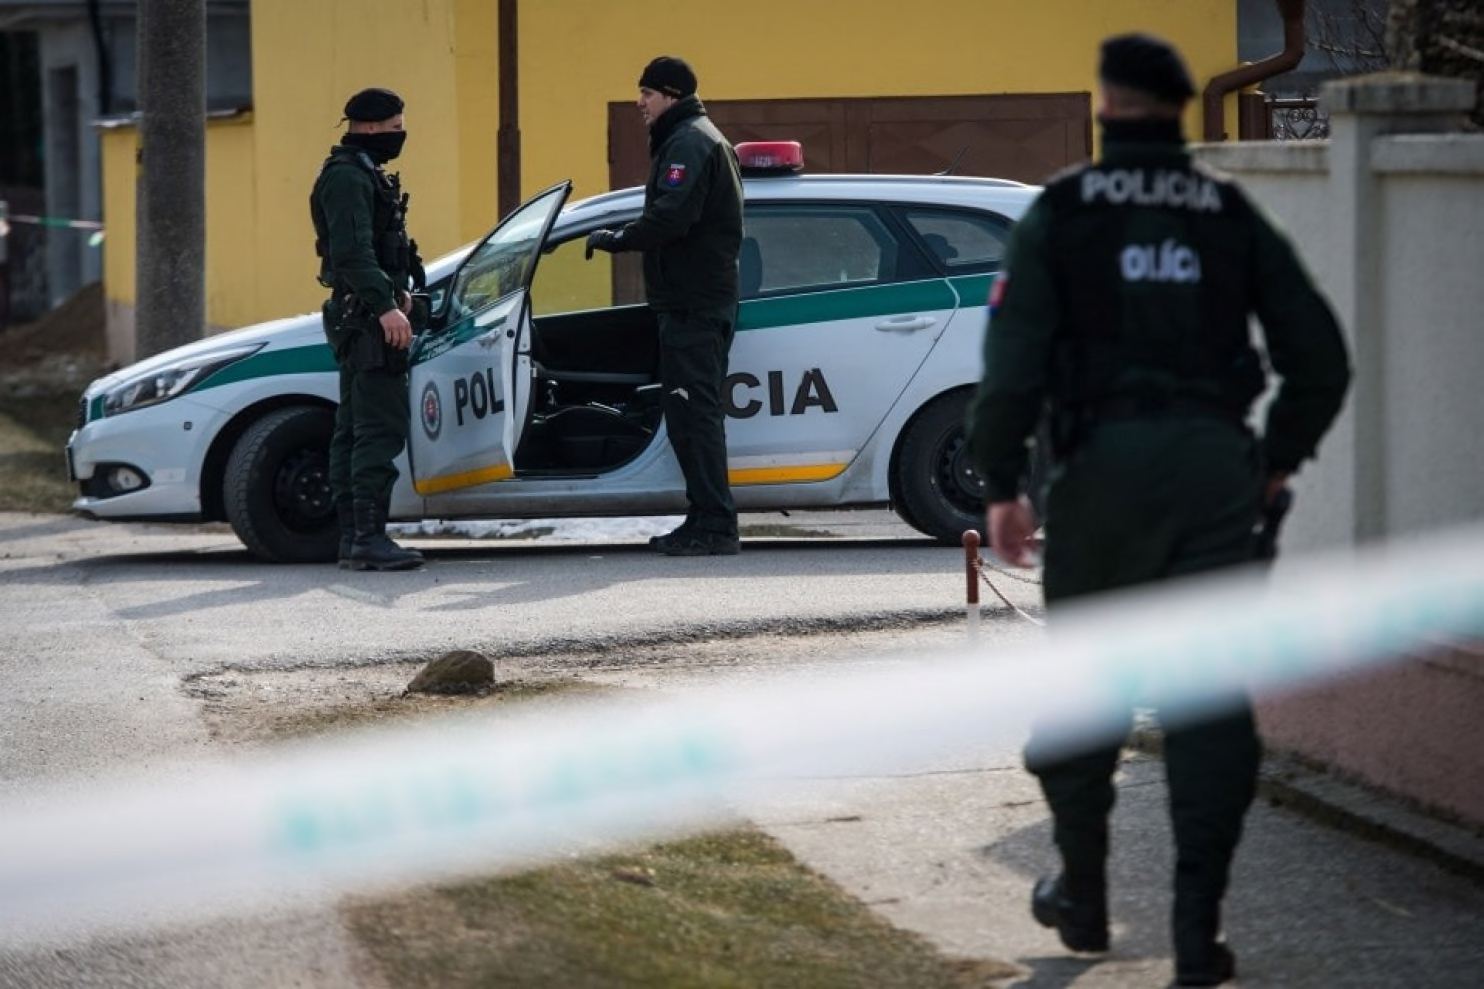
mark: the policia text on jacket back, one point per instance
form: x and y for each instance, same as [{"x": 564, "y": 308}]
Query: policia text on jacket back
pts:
[
  {"x": 1124, "y": 308},
  {"x": 369, "y": 265}
]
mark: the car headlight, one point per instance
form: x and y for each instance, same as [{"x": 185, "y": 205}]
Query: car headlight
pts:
[{"x": 161, "y": 384}]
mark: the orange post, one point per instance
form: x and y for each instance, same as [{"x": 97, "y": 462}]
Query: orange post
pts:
[{"x": 971, "y": 582}]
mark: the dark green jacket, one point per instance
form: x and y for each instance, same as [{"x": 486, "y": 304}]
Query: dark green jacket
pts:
[
  {"x": 691, "y": 230},
  {"x": 349, "y": 228},
  {"x": 1131, "y": 281}
]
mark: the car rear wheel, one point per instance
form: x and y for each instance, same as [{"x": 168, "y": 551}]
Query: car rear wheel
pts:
[
  {"x": 277, "y": 487},
  {"x": 934, "y": 487}
]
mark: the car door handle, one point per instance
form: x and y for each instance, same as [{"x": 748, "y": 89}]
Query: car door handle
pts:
[{"x": 905, "y": 324}]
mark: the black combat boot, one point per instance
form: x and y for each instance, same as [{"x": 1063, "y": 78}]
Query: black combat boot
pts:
[
  {"x": 1201, "y": 959},
  {"x": 1080, "y": 915},
  {"x": 347, "y": 518},
  {"x": 372, "y": 550}
]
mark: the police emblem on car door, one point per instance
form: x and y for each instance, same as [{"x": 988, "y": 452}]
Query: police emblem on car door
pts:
[{"x": 466, "y": 387}]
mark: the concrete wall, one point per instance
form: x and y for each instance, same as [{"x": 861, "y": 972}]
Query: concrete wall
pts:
[{"x": 1390, "y": 216}]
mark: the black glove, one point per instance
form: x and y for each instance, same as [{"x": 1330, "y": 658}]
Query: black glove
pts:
[{"x": 601, "y": 240}]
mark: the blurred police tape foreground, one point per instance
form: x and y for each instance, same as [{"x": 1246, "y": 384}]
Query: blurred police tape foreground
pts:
[{"x": 439, "y": 799}]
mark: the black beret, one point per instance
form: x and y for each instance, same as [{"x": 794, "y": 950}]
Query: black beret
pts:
[
  {"x": 1147, "y": 64},
  {"x": 669, "y": 75},
  {"x": 371, "y": 105}
]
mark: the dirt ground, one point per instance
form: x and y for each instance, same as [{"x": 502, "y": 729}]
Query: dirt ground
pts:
[
  {"x": 250, "y": 706},
  {"x": 62, "y": 351}
]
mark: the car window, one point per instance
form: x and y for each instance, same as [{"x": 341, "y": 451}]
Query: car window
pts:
[
  {"x": 961, "y": 241},
  {"x": 813, "y": 247},
  {"x": 569, "y": 281},
  {"x": 502, "y": 262}
]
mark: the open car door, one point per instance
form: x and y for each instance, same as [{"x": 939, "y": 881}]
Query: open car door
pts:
[{"x": 468, "y": 394}]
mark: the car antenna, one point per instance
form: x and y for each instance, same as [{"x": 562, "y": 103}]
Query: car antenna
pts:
[{"x": 956, "y": 159}]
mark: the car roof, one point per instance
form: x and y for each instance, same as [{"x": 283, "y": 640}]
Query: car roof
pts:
[{"x": 1001, "y": 195}]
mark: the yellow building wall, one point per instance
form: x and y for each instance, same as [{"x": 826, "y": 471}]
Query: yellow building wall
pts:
[
  {"x": 778, "y": 49},
  {"x": 231, "y": 213},
  {"x": 576, "y": 56},
  {"x": 119, "y": 149},
  {"x": 308, "y": 57}
]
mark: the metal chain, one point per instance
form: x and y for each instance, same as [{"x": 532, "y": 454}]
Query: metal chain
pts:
[{"x": 983, "y": 566}]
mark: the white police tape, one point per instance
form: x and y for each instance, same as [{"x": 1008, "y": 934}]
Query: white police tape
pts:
[{"x": 438, "y": 799}]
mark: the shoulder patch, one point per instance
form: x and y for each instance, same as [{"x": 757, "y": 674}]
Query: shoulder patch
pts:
[
  {"x": 997, "y": 290},
  {"x": 675, "y": 174}
]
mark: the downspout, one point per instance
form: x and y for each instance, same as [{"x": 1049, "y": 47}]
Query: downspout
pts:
[
  {"x": 1213, "y": 99},
  {"x": 507, "y": 138},
  {"x": 105, "y": 67}
]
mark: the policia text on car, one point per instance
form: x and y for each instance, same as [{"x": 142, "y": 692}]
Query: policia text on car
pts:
[
  {"x": 369, "y": 265},
  {"x": 1124, "y": 307}
]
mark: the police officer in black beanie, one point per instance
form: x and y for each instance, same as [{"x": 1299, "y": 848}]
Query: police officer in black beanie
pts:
[
  {"x": 368, "y": 263},
  {"x": 690, "y": 234},
  {"x": 1124, "y": 306}
]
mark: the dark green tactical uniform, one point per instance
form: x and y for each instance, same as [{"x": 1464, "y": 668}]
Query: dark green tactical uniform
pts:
[
  {"x": 1124, "y": 308},
  {"x": 691, "y": 234},
  {"x": 367, "y": 262}
]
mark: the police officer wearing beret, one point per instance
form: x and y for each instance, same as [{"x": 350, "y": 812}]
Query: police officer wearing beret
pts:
[
  {"x": 368, "y": 263},
  {"x": 690, "y": 234},
  {"x": 1124, "y": 308}
]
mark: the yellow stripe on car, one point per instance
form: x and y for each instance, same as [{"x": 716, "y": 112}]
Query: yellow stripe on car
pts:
[{"x": 464, "y": 479}]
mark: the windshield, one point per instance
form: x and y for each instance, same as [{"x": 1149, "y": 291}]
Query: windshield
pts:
[{"x": 503, "y": 262}]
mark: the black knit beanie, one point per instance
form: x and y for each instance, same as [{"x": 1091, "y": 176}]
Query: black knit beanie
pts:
[{"x": 669, "y": 75}]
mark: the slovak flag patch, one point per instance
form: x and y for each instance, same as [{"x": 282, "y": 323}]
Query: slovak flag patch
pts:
[
  {"x": 675, "y": 175},
  {"x": 997, "y": 291}
]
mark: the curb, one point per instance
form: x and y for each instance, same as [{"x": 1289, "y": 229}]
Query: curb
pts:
[{"x": 1355, "y": 808}]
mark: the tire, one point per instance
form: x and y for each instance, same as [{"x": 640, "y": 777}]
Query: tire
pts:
[
  {"x": 277, "y": 487},
  {"x": 934, "y": 488}
]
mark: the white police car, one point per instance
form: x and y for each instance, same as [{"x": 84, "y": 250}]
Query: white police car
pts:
[{"x": 534, "y": 394}]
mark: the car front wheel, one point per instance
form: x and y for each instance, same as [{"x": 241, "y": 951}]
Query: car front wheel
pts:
[{"x": 277, "y": 487}]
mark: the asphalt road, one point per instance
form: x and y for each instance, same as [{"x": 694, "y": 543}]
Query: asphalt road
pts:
[{"x": 103, "y": 621}]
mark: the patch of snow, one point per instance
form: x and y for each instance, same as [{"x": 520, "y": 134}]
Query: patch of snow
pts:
[{"x": 567, "y": 530}]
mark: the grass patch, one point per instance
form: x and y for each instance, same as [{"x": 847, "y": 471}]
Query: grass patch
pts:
[
  {"x": 730, "y": 908},
  {"x": 33, "y": 469}
]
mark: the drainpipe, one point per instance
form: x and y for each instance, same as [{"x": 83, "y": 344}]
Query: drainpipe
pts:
[
  {"x": 1213, "y": 98},
  {"x": 507, "y": 139}
]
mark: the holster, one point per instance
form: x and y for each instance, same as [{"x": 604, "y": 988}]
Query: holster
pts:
[{"x": 359, "y": 343}]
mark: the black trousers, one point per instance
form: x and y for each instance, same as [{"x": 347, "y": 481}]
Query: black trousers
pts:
[
  {"x": 1144, "y": 501},
  {"x": 694, "y": 345},
  {"x": 373, "y": 418}
]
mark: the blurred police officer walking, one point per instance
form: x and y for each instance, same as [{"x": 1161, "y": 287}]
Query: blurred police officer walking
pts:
[
  {"x": 690, "y": 233},
  {"x": 1124, "y": 307},
  {"x": 368, "y": 263}
]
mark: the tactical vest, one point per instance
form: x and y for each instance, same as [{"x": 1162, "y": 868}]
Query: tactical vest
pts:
[
  {"x": 395, "y": 254},
  {"x": 1152, "y": 262}
]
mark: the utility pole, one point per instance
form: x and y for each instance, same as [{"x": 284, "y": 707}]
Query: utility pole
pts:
[{"x": 170, "y": 239}]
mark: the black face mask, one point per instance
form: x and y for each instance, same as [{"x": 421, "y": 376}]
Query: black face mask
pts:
[{"x": 381, "y": 147}]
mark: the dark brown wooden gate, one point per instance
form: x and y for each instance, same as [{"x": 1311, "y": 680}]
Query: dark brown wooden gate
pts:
[{"x": 1024, "y": 136}]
